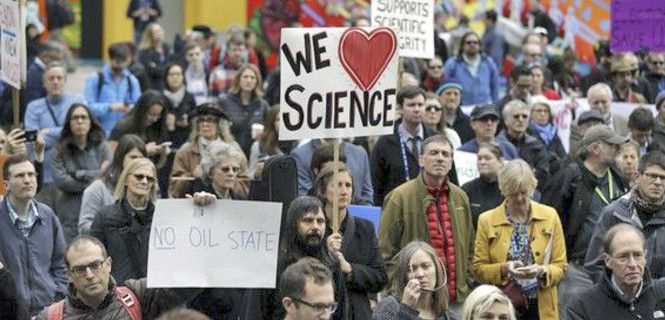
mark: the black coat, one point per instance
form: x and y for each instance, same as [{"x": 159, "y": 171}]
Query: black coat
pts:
[
  {"x": 555, "y": 150},
  {"x": 8, "y": 301},
  {"x": 602, "y": 302},
  {"x": 483, "y": 195},
  {"x": 361, "y": 249},
  {"x": 126, "y": 236},
  {"x": 533, "y": 151}
]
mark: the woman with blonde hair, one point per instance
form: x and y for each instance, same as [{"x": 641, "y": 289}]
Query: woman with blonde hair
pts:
[
  {"x": 418, "y": 286},
  {"x": 520, "y": 246},
  {"x": 487, "y": 302},
  {"x": 154, "y": 54}
]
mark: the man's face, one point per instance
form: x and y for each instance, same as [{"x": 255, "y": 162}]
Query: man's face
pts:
[
  {"x": 627, "y": 259},
  {"x": 311, "y": 228},
  {"x": 485, "y": 127},
  {"x": 651, "y": 183},
  {"x": 627, "y": 160},
  {"x": 54, "y": 81},
  {"x": 622, "y": 79},
  {"x": 22, "y": 181},
  {"x": 235, "y": 53},
  {"x": 517, "y": 121},
  {"x": 532, "y": 53},
  {"x": 607, "y": 153},
  {"x": 89, "y": 271},
  {"x": 437, "y": 159},
  {"x": 520, "y": 88},
  {"x": 656, "y": 63},
  {"x": 471, "y": 45},
  {"x": 313, "y": 305},
  {"x": 642, "y": 137},
  {"x": 600, "y": 102},
  {"x": 117, "y": 65},
  {"x": 450, "y": 99},
  {"x": 194, "y": 56},
  {"x": 412, "y": 110}
]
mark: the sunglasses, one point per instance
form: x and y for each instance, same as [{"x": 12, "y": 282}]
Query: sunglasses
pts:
[
  {"x": 657, "y": 62},
  {"x": 433, "y": 108},
  {"x": 227, "y": 169},
  {"x": 140, "y": 177}
]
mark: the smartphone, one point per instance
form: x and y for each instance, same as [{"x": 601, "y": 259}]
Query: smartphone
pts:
[{"x": 30, "y": 135}]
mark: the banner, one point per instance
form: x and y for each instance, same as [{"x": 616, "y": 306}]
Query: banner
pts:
[
  {"x": 637, "y": 25},
  {"x": 12, "y": 41},
  {"x": 413, "y": 20},
  {"x": 228, "y": 244},
  {"x": 337, "y": 82},
  {"x": 466, "y": 166}
]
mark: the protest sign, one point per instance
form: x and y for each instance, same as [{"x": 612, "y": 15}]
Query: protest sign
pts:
[
  {"x": 413, "y": 20},
  {"x": 12, "y": 40},
  {"x": 337, "y": 82},
  {"x": 230, "y": 244},
  {"x": 637, "y": 25},
  {"x": 370, "y": 213},
  {"x": 465, "y": 164}
]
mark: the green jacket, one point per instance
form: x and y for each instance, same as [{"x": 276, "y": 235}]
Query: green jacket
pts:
[{"x": 404, "y": 219}]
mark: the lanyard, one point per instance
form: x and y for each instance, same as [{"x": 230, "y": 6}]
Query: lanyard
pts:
[{"x": 610, "y": 187}]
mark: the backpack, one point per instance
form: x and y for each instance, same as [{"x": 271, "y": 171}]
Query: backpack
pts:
[{"x": 124, "y": 294}]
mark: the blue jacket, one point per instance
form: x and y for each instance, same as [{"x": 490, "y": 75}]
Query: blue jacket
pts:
[
  {"x": 36, "y": 262},
  {"x": 38, "y": 117},
  {"x": 110, "y": 93},
  {"x": 482, "y": 88}
]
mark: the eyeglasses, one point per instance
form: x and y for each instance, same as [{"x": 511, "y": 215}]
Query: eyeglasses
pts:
[
  {"x": 207, "y": 119},
  {"x": 432, "y": 108},
  {"x": 520, "y": 116},
  {"x": 657, "y": 62},
  {"x": 625, "y": 257},
  {"x": 80, "y": 117},
  {"x": 227, "y": 169},
  {"x": 148, "y": 178},
  {"x": 436, "y": 67},
  {"x": 80, "y": 271},
  {"x": 652, "y": 177},
  {"x": 319, "y": 308}
]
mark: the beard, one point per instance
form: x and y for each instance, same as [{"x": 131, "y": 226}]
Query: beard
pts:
[{"x": 310, "y": 245}]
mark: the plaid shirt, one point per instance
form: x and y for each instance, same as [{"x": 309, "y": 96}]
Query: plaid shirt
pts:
[{"x": 23, "y": 224}]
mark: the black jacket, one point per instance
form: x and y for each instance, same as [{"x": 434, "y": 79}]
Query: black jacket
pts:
[
  {"x": 126, "y": 236},
  {"x": 570, "y": 192},
  {"x": 483, "y": 195},
  {"x": 533, "y": 151},
  {"x": 462, "y": 125},
  {"x": 387, "y": 164},
  {"x": 361, "y": 249},
  {"x": 8, "y": 301},
  {"x": 555, "y": 150},
  {"x": 602, "y": 302}
]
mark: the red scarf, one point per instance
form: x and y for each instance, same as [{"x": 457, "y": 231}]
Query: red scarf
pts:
[{"x": 441, "y": 233}]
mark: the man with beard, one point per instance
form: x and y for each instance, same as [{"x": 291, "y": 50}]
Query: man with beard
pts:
[
  {"x": 114, "y": 90},
  {"x": 644, "y": 208},
  {"x": 303, "y": 237}
]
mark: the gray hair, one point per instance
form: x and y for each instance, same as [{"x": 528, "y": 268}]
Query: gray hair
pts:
[
  {"x": 513, "y": 105},
  {"x": 600, "y": 89}
]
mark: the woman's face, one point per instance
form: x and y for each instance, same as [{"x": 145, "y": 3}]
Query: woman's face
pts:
[
  {"x": 225, "y": 174},
  {"x": 435, "y": 68},
  {"x": 154, "y": 114},
  {"x": 175, "y": 77},
  {"x": 141, "y": 181},
  {"x": 80, "y": 122},
  {"x": 208, "y": 126},
  {"x": 248, "y": 80},
  {"x": 157, "y": 33},
  {"x": 422, "y": 267},
  {"x": 538, "y": 78},
  {"x": 488, "y": 163},
  {"x": 540, "y": 114},
  {"x": 131, "y": 155},
  {"x": 433, "y": 112},
  {"x": 497, "y": 311},
  {"x": 628, "y": 161},
  {"x": 345, "y": 190},
  {"x": 519, "y": 201}
]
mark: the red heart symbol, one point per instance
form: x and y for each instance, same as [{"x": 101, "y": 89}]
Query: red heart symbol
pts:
[{"x": 364, "y": 56}]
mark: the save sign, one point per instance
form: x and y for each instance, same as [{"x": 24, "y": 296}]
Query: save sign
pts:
[{"x": 337, "y": 82}]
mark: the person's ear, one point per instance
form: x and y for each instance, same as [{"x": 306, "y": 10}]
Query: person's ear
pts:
[
  {"x": 288, "y": 304},
  {"x": 606, "y": 259},
  {"x": 636, "y": 175}
]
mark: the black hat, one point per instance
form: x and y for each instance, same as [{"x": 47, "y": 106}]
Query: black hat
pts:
[
  {"x": 209, "y": 108},
  {"x": 484, "y": 110},
  {"x": 590, "y": 115}
]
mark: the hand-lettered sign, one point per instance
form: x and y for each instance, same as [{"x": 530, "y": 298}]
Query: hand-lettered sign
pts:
[
  {"x": 637, "y": 25},
  {"x": 230, "y": 244},
  {"x": 466, "y": 166},
  {"x": 337, "y": 82},
  {"x": 413, "y": 20},
  {"x": 13, "y": 47}
]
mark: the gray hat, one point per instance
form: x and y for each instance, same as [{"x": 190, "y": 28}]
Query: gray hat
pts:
[
  {"x": 484, "y": 110},
  {"x": 590, "y": 115},
  {"x": 603, "y": 133}
]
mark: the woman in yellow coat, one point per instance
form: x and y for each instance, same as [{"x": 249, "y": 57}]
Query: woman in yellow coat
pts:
[{"x": 521, "y": 241}]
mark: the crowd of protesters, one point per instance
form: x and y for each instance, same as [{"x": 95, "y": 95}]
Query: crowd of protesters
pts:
[{"x": 544, "y": 232}]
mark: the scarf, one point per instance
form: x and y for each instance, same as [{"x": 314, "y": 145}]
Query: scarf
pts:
[
  {"x": 546, "y": 132},
  {"x": 645, "y": 206},
  {"x": 175, "y": 97}
]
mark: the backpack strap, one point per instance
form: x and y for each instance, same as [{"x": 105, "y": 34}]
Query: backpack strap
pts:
[
  {"x": 129, "y": 301},
  {"x": 100, "y": 83},
  {"x": 56, "y": 310}
]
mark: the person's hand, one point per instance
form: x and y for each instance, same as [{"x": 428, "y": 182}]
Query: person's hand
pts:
[
  {"x": 411, "y": 293},
  {"x": 120, "y": 107},
  {"x": 344, "y": 265},
  {"x": 259, "y": 169},
  {"x": 40, "y": 146},
  {"x": 1, "y": 265},
  {"x": 512, "y": 268},
  {"x": 152, "y": 148},
  {"x": 334, "y": 242},
  {"x": 198, "y": 171},
  {"x": 16, "y": 142},
  {"x": 532, "y": 271},
  {"x": 202, "y": 198}
]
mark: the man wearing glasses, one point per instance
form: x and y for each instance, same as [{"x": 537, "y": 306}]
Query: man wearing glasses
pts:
[
  {"x": 644, "y": 208},
  {"x": 306, "y": 290},
  {"x": 32, "y": 244},
  {"x": 626, "y": 290},
  {"x": 94, "y": 294}
]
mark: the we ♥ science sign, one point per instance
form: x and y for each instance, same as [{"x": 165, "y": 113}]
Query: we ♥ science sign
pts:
[{"x": 337, "y": 82}]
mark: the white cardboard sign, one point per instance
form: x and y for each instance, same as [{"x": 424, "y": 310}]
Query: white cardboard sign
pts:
[
  {"x": 337, "y": 82},
  {"x": 229, "y": 244},
  {"x": 12, "y": 43},
  {"x": 466, "y": 167},
  {"x": 413, "y": 20}
]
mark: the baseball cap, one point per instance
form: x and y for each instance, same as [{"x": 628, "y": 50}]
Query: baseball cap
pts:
[
  {"x": 590, "y": 115},
  {"x": 603, "y": 133},
  {"x": 484, "y": 110}
]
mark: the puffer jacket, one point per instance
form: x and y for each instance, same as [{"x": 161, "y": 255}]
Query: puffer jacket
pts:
[{"x": 623, "y": 211}]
